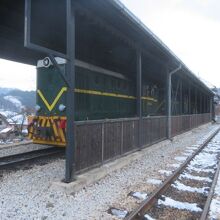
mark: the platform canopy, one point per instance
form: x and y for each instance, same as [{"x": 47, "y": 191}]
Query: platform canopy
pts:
[{"x": 105, "y": 30}]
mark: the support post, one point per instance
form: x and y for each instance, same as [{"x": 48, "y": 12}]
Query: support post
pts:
[
  {"x": 189, "y": 100},
  {"x": 70, "y": 108},
  {"x": 181, "y": 98},
  {"x": 139, "y": 95},
  {"x": 169, "y": 100},
  {"x": 212, "y": 106},
  {"x": 196, "y": 105},
  {"x": 169, "y": 105}
]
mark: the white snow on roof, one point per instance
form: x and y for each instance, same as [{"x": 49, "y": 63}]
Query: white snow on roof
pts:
[
  {"x": 13, "y": 117},
  {"x": 15, "y": 101},
  {"x": 18, "y": 119},
  {"x": 179, "y": 205},
  {"x": 6, "y": 130},
  {"x": 7, "y": 114}
]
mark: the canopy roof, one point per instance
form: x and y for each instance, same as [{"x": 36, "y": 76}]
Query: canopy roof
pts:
[{"x": 107, "y": 34}]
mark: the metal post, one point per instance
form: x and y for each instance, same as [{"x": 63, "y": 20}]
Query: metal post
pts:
[
  {"x": 196, "y": 106},
  {"x": 189, "y": 101},
  {"x": 139, "y": 94},
  {"x": 212, "y": 108},
  {"x": 169, "y": 100},
  {"x": 181, "y": 98},
  {"x": 169, "y": 105},
  {"x": 70, "y": 109}
]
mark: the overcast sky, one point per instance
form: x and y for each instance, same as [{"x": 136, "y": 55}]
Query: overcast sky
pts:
[{"x": 190, "y": 28}]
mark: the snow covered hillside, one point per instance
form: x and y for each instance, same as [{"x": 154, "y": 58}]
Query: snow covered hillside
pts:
[{"x": 14, "y": 100}]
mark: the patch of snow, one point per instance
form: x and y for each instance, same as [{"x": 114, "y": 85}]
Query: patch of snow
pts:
[
  {"x": 182, "y": 187},
  {"x": 204, "y": 160},
  {"x": 187, "y": 154},
  {"x": 139, "y": 195},
  {"x": 175, "y": 165},
  {"x": 181, "y": 159},
  {"x": 214, "y": 209},
  {"x": 192, "y": 177},
  {"x": 118, "y": 213},
  {"x": 166, "y": 201},
  {"x": 193, "y": 147},
  {"x": 15, "y": 101},
  {"x": 154, "y": 181},
  {"x": 217, "y": 187},
  {"x": 148, "y": 217},
  {"x": 166, "y": 172},
  {"x": 189, "y": 151}
]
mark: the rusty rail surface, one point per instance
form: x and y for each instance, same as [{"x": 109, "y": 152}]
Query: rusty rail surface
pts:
[{"x": 140, "y": 211}]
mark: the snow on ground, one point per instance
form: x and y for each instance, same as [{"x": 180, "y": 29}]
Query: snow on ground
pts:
[
  {"x": 154, "y": 181},
  {"x": 166, "y": 201},
  {"x": 175, "y": 165},
  {"x": 14, "y": 100},
  {"x": 180, "y": 159},
  {"x": 27, "y": 194},
  {"x": 214, "y": 212},
  {"x": 119, "y": 213},
  {"x": 139, "y": 195},
  {"x": 165, "y": 172}
]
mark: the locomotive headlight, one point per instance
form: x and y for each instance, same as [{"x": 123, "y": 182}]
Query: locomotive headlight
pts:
[
  {"x": 37, "y": 108},
  {"x": 47, "y": 62},
  {"x": 62, "y": 107}
]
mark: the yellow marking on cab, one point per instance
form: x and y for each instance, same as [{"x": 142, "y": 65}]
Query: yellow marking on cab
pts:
[
  {"x": 91, "y": 92},
  {"x": 95, "y": 92},
  {"x": 51, "y": 106}
]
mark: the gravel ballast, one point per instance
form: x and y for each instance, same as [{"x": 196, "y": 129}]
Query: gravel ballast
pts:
[{"x": 27, "y": 194}]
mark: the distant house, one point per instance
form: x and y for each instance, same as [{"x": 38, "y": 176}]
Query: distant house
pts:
[{"x": 3, "y": 122}]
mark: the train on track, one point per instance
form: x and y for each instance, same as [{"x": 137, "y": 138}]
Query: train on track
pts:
[{"x": 99, "y": 94}]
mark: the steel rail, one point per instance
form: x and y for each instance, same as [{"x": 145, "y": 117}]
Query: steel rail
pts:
[
  {"x": 140, "y": 211},
  {"x": 17, "y": 159},
  {"x": 211, "y": 193}
]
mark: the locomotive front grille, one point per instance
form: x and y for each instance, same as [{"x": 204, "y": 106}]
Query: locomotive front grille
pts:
[{"x": 47, "y": 130}]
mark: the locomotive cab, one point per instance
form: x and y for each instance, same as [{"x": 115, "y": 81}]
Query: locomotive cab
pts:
[{"x": 49, "y": 124}]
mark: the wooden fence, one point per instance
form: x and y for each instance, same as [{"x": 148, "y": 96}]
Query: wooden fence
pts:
[{"x": 104, "y": 140}]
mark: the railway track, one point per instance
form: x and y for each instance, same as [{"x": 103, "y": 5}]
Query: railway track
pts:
[
  {"x": 21, "y": 158},
  {"x": 187, "y": 193}
]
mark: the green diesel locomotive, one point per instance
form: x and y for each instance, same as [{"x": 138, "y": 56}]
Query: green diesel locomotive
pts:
[{"x": 99, "y": 94}]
